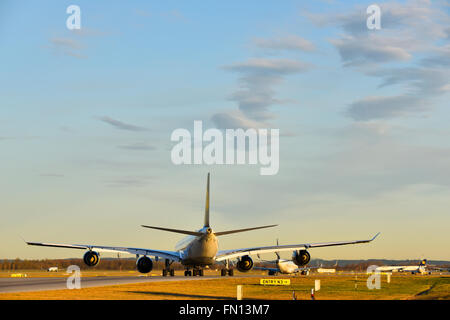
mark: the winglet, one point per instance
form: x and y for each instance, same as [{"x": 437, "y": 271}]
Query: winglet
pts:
[
  {"x": 375, "y": 236},
  {"x": 23, "y": 239}
]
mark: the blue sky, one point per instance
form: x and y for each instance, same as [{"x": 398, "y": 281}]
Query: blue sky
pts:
[{"x": 86, "y": 118}]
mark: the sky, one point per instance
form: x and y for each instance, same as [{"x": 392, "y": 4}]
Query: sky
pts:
[{"x": 86, "y": 118}]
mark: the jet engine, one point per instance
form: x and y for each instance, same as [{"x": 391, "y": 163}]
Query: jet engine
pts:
[
  {"x": 144, "y": 264},
  {"x": 301, "y": 258},
  {"x": 245, "y": 264},
  {"x": 91, "y": 258}
]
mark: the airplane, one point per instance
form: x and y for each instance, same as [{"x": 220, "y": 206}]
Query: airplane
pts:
[
  {"x": 284, "y": 266},
  {"x": 200, "y": 250},
  {"x": 421, "y": 268}
]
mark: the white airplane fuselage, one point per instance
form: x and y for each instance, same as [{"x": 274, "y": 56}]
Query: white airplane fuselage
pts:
[
  {"x": 286, "y": 266},
  {"x": 419, "y": 269},
  {"x": 198, "y": 250}
]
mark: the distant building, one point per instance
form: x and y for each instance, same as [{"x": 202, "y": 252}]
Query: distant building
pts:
[{"x": 323, "y": 270}]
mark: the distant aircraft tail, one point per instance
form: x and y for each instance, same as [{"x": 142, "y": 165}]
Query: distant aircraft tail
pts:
[
  {"x": 276, "y": 252},
  {"x": 206, "y": 222}
]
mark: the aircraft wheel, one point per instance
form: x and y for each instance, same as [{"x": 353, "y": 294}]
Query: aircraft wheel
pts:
[
  {"x": 223, "y": 272},
  {"x": 164, "y": 273},
  {"x": 172, "y": 272},
  {"x": 200, "y": 272},
  {"x": 231, "y": 272}
]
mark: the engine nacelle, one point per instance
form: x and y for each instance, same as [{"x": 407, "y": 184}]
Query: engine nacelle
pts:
[
  {"x": 301, "y": 258},
  {"x": 144, "y": 264},
  {"x": 245, "y": 264},
  {"x": 91, "y": 258}
]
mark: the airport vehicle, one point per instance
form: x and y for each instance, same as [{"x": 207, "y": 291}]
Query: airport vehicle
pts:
[
  {"x": 421, "y": 268},
  {"x": 52, "y": 269},
  {"x": 200, "y": 249}
]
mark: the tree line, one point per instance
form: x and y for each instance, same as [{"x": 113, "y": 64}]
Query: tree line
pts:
[{"x": 62, "y": 264}]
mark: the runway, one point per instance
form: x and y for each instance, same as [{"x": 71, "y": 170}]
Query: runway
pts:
[{"x": 58, "y": 283}]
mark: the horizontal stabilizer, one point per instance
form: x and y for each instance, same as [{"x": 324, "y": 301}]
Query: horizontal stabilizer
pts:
[
  {"x": 242, "y": 230},
  {"x": 191, "y": 233}
]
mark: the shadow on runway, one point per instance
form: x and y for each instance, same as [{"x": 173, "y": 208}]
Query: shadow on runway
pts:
[{"x": 182, "y": 295}]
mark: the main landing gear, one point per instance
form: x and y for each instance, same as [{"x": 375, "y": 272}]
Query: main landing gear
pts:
[
  {"x": 224, "y": 272},
  {"x": 194, "y": 272},
  {"x": 167, "y": 269},
  {"x": 227, "y": 270},
  {"x": 168, "y": 272}
]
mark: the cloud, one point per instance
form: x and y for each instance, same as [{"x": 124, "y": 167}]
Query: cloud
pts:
[
  {"x": 71, "y": 44},
  {"x": 67, "y": 46},
  {"x": 440, "y": 58},
  {"x": 413, "y": 32},
  {"x": 66, "y": 43},
  {"x": 258, "y": 76},
  {"x": 447, "y": 33},
  {"x": 53, "y": 175},
  {"x": 175, "y": 15},
  {"x": 121, "y": 125},
  {"x": 288, "y": 43},
  {"x": 233, "y": 120},
  {"x": 371, "y": 108},
  {"x": 421, "y": 86},
  {"x": 394, "y": 17},
  {"x": 268, "y": 67},
  {"x": 127, "y": 182},
  {"x": 406, "y": 29},
  {"x": 357, "y": 51},
  {"x": 418, "y": 80},
  {"x": 138, "y": 147},
  {"x": 130, "y": 181},
  {"x": 142, "y": 13}
]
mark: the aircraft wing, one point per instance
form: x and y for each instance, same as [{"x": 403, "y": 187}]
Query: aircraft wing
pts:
[
  {"x": 267, "y": 269},
  {"x": 172, "y": 255},
  {"x": 236, "y": 253}
]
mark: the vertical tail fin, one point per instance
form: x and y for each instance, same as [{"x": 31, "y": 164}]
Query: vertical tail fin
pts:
[
  {"x": 276, "y": 252},
  {"x": 206, "y": 223}
]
